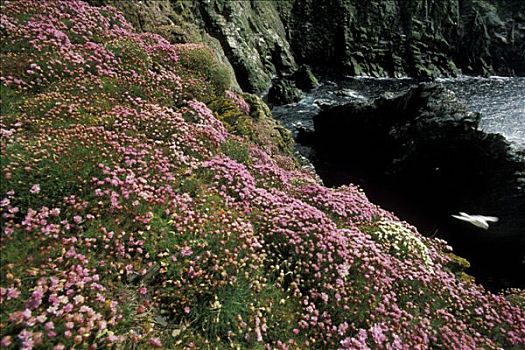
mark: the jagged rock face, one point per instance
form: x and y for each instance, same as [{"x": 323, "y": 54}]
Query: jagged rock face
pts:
[
  {"x": 249, "y": 33},
  {"x": 409, "y": 37},
  {"x": 393, "y": 37},
  {"x": 491, "y": 37},
  {"x": 283, "y": 92},
  {"x": 424, "y": 147},
  {"x": 253, "y": 37},
  {"x": 421, "y": 38}
]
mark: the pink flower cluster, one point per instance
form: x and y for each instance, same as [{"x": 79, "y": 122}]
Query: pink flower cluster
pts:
[
  {"x": 63, "y": 38},
  {"x": 355, "y": 295},
  {"x": 238, "y": 101},
  {"x": 348, "y": 203},
  {"x": 121, "y": 213},
  {"x": 68, "y": 306}
]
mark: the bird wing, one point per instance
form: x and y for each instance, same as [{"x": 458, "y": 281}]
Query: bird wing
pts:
[
  {"x": 459, "y": 217},
  {"x": 485, "y": 218},
  {"x": 491, "y": 218},
  {"x": 480, "y": 224}
]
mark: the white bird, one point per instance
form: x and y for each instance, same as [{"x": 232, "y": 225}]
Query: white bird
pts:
[{"x": 480, "y": 221}]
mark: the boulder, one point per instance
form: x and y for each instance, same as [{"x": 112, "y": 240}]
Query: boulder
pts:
[
  {"x": 304, "y": 78},
  {"x": 284, "y": 91}
]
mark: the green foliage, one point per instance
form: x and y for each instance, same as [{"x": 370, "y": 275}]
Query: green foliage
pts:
[
  {"x": 57, "y": 177},
  {"x": 217, "y": 316},
  {"x": 17, "y": 252},
  {"x": 237, "y": 151},
  {"x": 231, "y": 115},
  {"x": 458, "y": 265},
  {"x": 130, "y": 54},
  {"x": 202, "y": 63},
  {"x": 515, "y": 296},
  {"x": 10, "y": 101},
  {"x": 191, "y": 185},
  {"x": 285, "y": 312}
]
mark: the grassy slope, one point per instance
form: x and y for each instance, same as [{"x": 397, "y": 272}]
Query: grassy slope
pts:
[{"x": 134, "y": 216}]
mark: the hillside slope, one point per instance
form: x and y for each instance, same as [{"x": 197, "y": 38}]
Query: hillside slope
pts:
[{"x": 145, "y": 205}]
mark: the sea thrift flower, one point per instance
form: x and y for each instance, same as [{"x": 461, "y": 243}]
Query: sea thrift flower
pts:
[
  {"x": 186, "y": 251},
  {"x": 35, "y": 189},
  {"x": 155, "y": 342},
  {"x": 12, "y": 293},
  {"x": 6, "y": 341},
  {"x": 142, "y": 188},
  {"x": 238, "y": 100}
]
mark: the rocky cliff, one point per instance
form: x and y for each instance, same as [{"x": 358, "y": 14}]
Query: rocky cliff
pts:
[
  {"x": 266, "y": 39},
  {"x": 408, "y": 37},
  {"x": 249, "y": 35},
  {"x": 143, "y": 205}
]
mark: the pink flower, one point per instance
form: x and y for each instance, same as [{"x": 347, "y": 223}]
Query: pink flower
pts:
[
  {"x": 8, "y": 231},
  {"x": 102, "y": 324},
  {"x": 186, "y": 251},
  {"x": 12, "y": 293},
  {"x": 6, "y": 341},
  {"x": 51, "y": 334},
  {"x": 155, "y": 342},
  {"x": 143, "y": 290},
  {"x": 25, "y": 335},
  {"x": 68, "y": 307},
  {"x": 35, "y": 189}
]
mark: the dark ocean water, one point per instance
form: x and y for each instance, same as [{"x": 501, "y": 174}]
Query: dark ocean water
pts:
[{"x": 501, "y": 101}]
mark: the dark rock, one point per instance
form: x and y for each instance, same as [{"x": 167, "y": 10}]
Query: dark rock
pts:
[
  {"x": 151, "y": 274},
  {"x": 304, "y": 78},
  {"x": 263, "y": 39},
  {"x": 252, "y": 36},
  {"x": 284, "y": 91},
  {"x": 161, "y": 321},
  {"x": 431, "y": 38},
  {"x": 425, "y": 149}
]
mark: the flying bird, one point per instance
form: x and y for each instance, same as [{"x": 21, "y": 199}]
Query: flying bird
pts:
[{"x": 480, "y": 221}]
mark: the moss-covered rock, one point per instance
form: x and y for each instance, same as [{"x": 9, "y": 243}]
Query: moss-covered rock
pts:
[
  {"x": 284, "y": 91},
  {"x": 258, "y": 125},
  {"x": 304, "y": 78}
]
